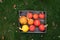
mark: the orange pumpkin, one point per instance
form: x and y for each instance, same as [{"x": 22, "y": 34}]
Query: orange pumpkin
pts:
[
  {"x": 30, "y": 21},
  {"x": 29, "y": 15},
  {"x": 23, "y": 20},
  {"x": 35, "y": 16}
]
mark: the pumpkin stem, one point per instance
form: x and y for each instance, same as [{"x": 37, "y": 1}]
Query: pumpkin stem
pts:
[
  {"x": 20, "y": 28},
  {"x": 46, "y": 25}
]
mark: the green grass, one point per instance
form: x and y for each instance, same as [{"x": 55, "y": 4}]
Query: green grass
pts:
[{"x": 6, "y": 10}]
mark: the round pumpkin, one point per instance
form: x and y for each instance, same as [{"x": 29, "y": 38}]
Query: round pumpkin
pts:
[
  {"x": 23, "y": 20},
  {"x": 30, "y": 21}
]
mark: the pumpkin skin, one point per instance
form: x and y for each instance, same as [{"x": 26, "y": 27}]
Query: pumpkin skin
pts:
[
  {"x": 36, "y": 22},
  {"x": 23, "y": 20},
  {"x": 35, "y": 16},
  {"x": 24, "y": 28},
  {"x": 42, "y": 15},
  {"x": 29, "y": 15},
  {"x": 41, "y": 28},
  {"x": 32, "y": 28},
  {"x": 30, "y": 21}
]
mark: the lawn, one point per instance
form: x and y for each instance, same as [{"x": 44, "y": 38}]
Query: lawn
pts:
[{"x": 9, "y": 19}]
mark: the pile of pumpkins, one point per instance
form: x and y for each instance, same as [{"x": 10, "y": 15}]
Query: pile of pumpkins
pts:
[{"x": 31, "y": 21}]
